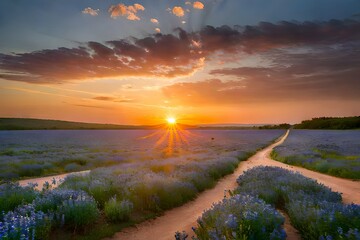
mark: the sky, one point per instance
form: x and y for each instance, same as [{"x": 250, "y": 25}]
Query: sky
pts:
[{"x": 202, "y": 62}]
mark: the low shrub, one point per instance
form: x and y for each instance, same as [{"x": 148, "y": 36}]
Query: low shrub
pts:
[
  {"x": 325, "y": 219},
  {"x": 13, "y": 195},
  {"x": 79, "y": 213},
  {"x": 72, "y": 167},
  {"x": 25, "y": 223},
  {"x": 30, "y": 170},
  {"x": 160, "y": 193},
  {"x": 50, "y": 201},
  {"x": 240, "y": 217},
  {"x": 102, "y": 193},
  {"x": 117, "y": 211},
  {"x": 314, "y": 209}
]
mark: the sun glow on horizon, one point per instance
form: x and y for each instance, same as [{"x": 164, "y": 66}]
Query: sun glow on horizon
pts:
[
  {"x": 170, "y": 137},
  {"x": 171, "y": 120}
]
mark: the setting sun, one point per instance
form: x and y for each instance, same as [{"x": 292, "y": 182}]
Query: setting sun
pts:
[
  {"x": 160, "y": 106},
  {"x": 171, "y": 120}
]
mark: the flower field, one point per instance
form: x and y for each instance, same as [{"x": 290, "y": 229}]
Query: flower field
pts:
[
  {"x": 25, "y": 154},
  {"x": 333, "y": 152},
  {"x": 142, "y": 185},
  {"x": 251, "y": 213}
]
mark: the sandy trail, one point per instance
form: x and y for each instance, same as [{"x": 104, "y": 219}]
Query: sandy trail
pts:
[
  {"x": 184, "y": 217},
  {"x": 59, "y": 178}
]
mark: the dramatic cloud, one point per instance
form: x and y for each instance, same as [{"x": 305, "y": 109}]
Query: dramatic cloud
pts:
[
  {"x": 182, "y": 53},
  {"x": 198, "y": 5},
  {"x": 267, "y": 36},
  {"x": 90, "y": 11},
  {"x": 154, "y": 20},
  {"x": 178, "y": 11},
  {"x": 324, "y": 73},
  {"x": 130, "y": 12},
  {"x": 156, "y": 56}
]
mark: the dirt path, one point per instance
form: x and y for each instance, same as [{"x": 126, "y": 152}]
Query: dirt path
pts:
[
  {"x": 184, "y": 217},
  {"x": 40, "y": 181},
  {"x": 291, "y": 232}
]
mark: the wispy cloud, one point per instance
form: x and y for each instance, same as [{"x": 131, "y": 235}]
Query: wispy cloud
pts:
[
  {"x": 113, "y": 99},
  {"x": 90, "y": 11},
  {"x": 130, "y": 12},
  {"x": 26, "y": 90},
  {"x": 154, "y": 20},
  {"x": 91, "y": 106}
]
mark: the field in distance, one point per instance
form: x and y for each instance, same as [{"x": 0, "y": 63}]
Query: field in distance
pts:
[{"x": 334, "y": 152}]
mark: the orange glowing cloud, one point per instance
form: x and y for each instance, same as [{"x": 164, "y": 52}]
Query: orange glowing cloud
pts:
[
  {"x": 181, "y": 53},
  {"x": 178, "y": 11},
  {"x": 198, "y": 5},
  {"x": 130, "y": 12}
]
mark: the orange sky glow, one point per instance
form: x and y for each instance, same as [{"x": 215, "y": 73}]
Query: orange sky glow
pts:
[{"x": 181, "y": 63}]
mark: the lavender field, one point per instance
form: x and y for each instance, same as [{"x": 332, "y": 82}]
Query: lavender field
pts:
[
  {"x": 144, "y": 179},
  {"x": 252, "y": 212},
  {"x": 333, "y": 152},
  {"x": 47, "y": 152}
]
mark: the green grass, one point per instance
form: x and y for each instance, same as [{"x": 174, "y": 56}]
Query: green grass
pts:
[
  {"x": 328, "y": 163},
  {"x": 13, "y": 195},
  {"x": 118, "y": 211},
  {"x": 79, "y": 215},
  {"x": 30, "y": 167},
  {"x": 334, "y": 155},
  {"x": 8, "y": 152},
  {"x": 102, "y": 229}
]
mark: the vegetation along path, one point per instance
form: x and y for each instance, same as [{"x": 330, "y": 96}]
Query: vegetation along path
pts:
[
  {"x": 184, "y": 217},
  {"x": 42, "y": 180}
]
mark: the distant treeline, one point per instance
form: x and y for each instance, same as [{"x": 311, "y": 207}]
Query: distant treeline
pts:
[
  {"x": 279, "y": 126},
  {"x": 330, "y": 123},
  {"x": 40, "y": 124}
]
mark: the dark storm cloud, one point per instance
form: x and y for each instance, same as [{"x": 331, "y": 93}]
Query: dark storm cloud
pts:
[{"x": 169, "y": 55}]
